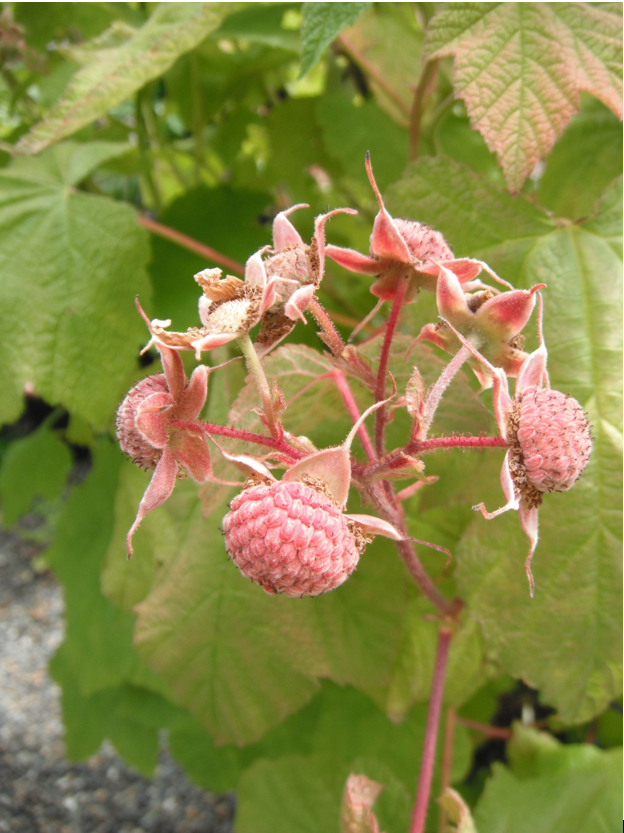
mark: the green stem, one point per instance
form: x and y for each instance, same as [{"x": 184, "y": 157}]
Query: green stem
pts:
[{"x": 256, "y": 370}]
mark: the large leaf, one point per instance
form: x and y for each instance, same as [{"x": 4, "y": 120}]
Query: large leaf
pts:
[
  {"x": 569, "y": 789},
  {"x": 566, "y": 641},
  {"x": 97, "y": 651},
  {"x": 36, "y": 466},
  {"x": 520, "y": 67},
  {"x": 322, "y": 22},
  {"x": 111, "y": 73},
  {"x": 72, "y": 264}
]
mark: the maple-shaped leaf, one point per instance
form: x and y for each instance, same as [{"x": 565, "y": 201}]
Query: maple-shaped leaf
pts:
[{"x": 520, "y": 68}]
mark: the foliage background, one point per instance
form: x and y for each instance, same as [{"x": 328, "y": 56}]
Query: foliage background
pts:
[{"x": 211, "y": 118}]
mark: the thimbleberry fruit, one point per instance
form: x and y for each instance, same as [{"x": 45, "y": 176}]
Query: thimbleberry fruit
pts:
[
  {"x": 291, "y": 538},
  {"x": 132, "y": 442},
  {"x": 551, "y": 442}
]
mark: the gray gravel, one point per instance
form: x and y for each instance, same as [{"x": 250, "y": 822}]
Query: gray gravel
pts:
[{"x": 40, "y": 792}]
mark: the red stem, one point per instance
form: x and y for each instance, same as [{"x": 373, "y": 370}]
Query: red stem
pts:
[
  {"x": 237, "y": 434},
  {"x": 422, "y": 579},
  {"x": 188, "y": 243},
  {"x": 490, "y": 731},
  {"x": 431, "y": 732},
  {"x": 380, "y": 389},
  {"x": 354, "y": 413},
  {"x": 422, "y": 446},
  {"x": 447, "y": 762}
]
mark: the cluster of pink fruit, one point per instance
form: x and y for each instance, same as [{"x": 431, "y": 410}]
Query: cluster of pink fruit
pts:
[{"x": 292, "y": 535}]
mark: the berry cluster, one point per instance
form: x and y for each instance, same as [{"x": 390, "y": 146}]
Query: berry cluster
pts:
[{"x": 292, "y": 535}]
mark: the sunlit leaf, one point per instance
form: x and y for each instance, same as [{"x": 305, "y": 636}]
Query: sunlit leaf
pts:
[
  {"x": 71, "y": 332},
  {"x": 113, "y": 73},
  {"x": 322, "y": 22},
  {"x": 36, "y": 466},
  {"x": 520, "y": 67}
]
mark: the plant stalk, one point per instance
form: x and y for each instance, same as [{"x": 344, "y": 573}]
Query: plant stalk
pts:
[
  {"x": 380, "y": 389},
  {"x": 354, "y": 412},
  {"x": 238, "y": 434},
  {"x": 331, "y": 334},
  {"x": 419, "y": 814},
  {"x": 254, "y": 366}
]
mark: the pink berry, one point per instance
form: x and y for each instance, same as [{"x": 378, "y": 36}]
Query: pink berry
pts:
[
  {"x": 551, "y": 442},
  {"x": 424, "y": 243},
  {"x": 130, "y": 438},
  {"x": 291, "y": 538}
]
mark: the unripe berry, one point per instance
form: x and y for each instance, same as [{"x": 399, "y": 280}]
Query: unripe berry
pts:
[
  {"x": 551, "y": 440},
  {"x": 130, "y": 438},
  {"x": 424, "y": 243},
  {"x": 291, "y": 538}
]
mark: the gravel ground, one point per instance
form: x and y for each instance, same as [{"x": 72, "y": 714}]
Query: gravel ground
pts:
[{"x": 40, "y": 792}]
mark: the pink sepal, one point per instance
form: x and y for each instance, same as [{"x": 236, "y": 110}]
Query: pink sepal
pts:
[
  {"x": 377, "y": 526},
  {"x": 153, "y": 416},
  {"x": 529, "y": 523},
  {"x": 255, "y": 273},
  {"x": 160, "y": 487},
  {"x": 508, "y": 490},
  {"x": 193, "y": 397},
  {"x": 435, "y": 336},
  {"x": 285, "y": 234},
  {"x": 247, "y": 465},
  {"x": 451, "y": 299},
  {"x": 386, "y": 239},
  {"x": 173, "y": 369},
  {"x": 504, "y": 316},
  {"x": 464, "y": 268},
  {"x": 298, "y": 302},
  {"x": 354, "y": 261},
  {"x": 319, "y": 236},
  {"x": 211, "y": 341},
  {"x": 191, "y": 450},
  {"x": 533, "y": 371},
  {"x": 332, "y": 466}
]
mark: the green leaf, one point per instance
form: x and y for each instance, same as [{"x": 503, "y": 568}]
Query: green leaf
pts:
[
  {"x": 592, "y": 148},
  {"x": 350, "y": 131},
  {"x": 261, "y": 24},
  {"x": 566, "y": 641},
  {"x": 111, "y": 74},
  {"x": 520, "y": 67},
  {"x": 97, "y": 650},
  {"x": 44, "y": 22},
  {"x": 322, "y": 23},
  {"x": 67, "y": 303},
  {"x": 574, "y": 788},
  {"x": 36, "y": 466}
]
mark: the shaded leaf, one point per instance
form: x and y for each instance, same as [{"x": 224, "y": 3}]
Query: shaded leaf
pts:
[
  {"x": 577, "y": 794},
  {"x": 322, "y": 22},
  {"x": 67, "y": 303},
  {"x": 97, "y": 651},
  {"x": 591, "y": 147},
  {"x": 350, "y": 132},
  {"x": 111, "y": 74},
  {"x": 261, "y": 24},
  {"x": 520, "y": 67},
  {"x": 36, "y": 466}
]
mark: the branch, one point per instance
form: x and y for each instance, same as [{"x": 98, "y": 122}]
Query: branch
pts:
[
  {"x": 190, "y": 244},
  {"x": 431, "y": 732},
  {"x": 238, "y": 434}
]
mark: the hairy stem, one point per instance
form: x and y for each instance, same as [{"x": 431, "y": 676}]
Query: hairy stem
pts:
[
  {"x": 380, "y": 388},
  {"x": 434, "y": 443},
  {"x": 238, "y": 434},
  {"x": 330, "y": 333},
  {"x": 354, "y": 413},
  {"x": 256, "y": 370},
  {"x": 431, "y": 731},
  {"x": 190, "y": 244},
  {"x": 421, "y": 92},
  {"x": 435, "y": 394},
  {"x": 424, "y": 582}
]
